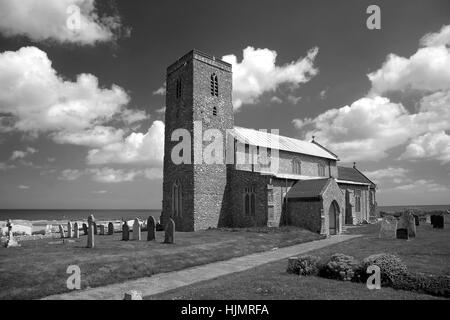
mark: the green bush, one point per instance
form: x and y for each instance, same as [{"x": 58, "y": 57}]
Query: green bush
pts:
[
  {"x": 391, "y": 268},
  {"x": 341, "y": 267},
  {"x": 429, "y": 284},
  {"x": 305, "y": 265}
]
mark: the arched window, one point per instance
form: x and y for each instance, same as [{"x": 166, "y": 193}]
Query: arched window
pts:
[
  {"x": 214, "y": 111},
  {"x": 178, "y": 92},
  {"x": 177, "y": 199},
  {"x": 249, "y": 201},
  {"x": 296, "y": 166},
  {"x": 214, "y": 85}
]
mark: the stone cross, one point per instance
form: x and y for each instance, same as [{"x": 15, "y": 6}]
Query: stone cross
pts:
[
  {"x": 69, "y": 229},
  {"x": 388, "y": 228},
  {"x": 61, "y": 231},
  {"x": 85, "y": 229},
  {"x": 91, "y": 232},
  {"x": 151, "y": 228},
  {"x": 76, "y": 230},
  {"x": 125, "y": 231},
  {"x": 136, "y": 230},
  {"x": 110, "y": 228},
  {"x": 169, "y": 231}
]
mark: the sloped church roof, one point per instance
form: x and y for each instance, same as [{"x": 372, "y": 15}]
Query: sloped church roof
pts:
[{"x": 274, "y": 141}]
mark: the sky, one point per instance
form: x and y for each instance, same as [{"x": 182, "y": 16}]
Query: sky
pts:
[{"x": 82, "y": 91}]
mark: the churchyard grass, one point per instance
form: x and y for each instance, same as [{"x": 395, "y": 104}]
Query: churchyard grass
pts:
[
  {"x": 38, "y": 268},
  {"x": 429, "y": 252}
]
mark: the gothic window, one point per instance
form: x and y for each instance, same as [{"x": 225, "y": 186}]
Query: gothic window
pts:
[
  {"x": 358, "y": 200},
  {"x": 214, "y": 111},
  {"x": 296, "y": 166},
  {"x": 214, "y": 85},
  {"x": 177, "y": 199},
  {"x": 321, "y": 170},
  {"x": 249, "y": 201},
  {"x": 178, "y": 92}
]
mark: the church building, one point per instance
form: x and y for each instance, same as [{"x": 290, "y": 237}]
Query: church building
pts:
[{"x": 306, "y": 188}]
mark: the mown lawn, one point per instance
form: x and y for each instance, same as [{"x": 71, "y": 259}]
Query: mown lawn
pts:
[
  {"x": 429, "y": 252},
  {"x": 38, "y": 268}
]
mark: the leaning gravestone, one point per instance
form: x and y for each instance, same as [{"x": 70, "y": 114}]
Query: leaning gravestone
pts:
[
  {"x": 85, "y": 229},
  {"x": 438, "y": 222},
  {"x": 69, "y": 229},
  {"x": 125, "y": 231},
  {"x": 95, "y": 227},
  {"x": 388, "y": 228},
  {"x": 406, "y": 221},
  {"x": 402, "y": 233},
  {"x": 91, "y": 231},
  {"x": 10, "y": 242},
  {"x": 169, "y": 231},
  {"x": 102, "y": 229},
  {"x": 110, "y": 228},
  {"x": 61, "y": 231},
  {"x": 151, "y": 228},
  {"x": 136, "y": 230},
  {"x": 76, "y": 231},
  {"x": 416, "y": 220}
]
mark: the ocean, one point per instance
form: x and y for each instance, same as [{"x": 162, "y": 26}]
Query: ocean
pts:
[
  {"x": 424, "y": 207},
  {"x": 73, "y": 215}
]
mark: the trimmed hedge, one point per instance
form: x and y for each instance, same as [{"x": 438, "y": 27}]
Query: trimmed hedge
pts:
[
  {"x": 426, "y": 283},
  {"x": 391, "y": 268},
  {"x": 341, "y": 267},
  {"x": 305, "y": 265}
]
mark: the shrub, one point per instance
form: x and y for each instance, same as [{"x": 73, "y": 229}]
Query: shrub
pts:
[
  {"x": 391, "y": 268},
  {"x": 341, "y": 267},
  {"x": 305, "y": 266},
  {"x": 429, "y": 284}
]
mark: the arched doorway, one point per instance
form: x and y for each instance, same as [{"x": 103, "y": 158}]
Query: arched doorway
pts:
[{"x": 333, "y": 221}]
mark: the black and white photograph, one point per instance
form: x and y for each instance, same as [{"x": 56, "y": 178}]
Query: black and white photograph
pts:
[{"x": 215, "y": 157}]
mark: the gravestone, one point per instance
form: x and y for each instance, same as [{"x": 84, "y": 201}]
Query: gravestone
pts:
[
  {"x": 151, "y": 228},
  {"x": 85, "y": 229},
  {"x": 95, "y": 227},
  {"x": 136, "y": 230},
  {"x": 102, "y": 229},
  {"x": 438, "y": 222},
  {"x": 428, "y": 219},
  {"x": 10, "y": 242},
  {"x": 132, "y": 295},
  {"x": 110, "y": 228},
  {"x": 125, "y": 231},
  {"x": 406, "y": 221},
  {"x": 76, "y": 231},
  {"x": 388, "y": 228},
  {"x": 69, "y": 229},
  {"x": 416, "y": 219},
  {"x": 91, "y": 231},
  {"x": 402, "y": 234},
  {"x": 169, "y": 231},
  {"x": 61, "y": 231}
]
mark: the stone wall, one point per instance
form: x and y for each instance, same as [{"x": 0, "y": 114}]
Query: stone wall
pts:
[
  {"x": 305, "y": 213},
  {"x": 358, "y": 216},
  {"x": 332, "y": 193}
]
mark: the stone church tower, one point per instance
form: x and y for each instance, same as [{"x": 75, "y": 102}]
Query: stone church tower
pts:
[{"x": 198, "y": 95}]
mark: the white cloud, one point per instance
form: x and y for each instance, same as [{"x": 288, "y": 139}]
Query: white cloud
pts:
[
  {"x": 20, "y": 154},
  {"x": 257, "y": 73},
  {"x": 4, "y": 166},
  {"x": 421, "y": 185},
  {"x": 136, "y": 148},
  {"x": 110, "y": 175},
  {"x": 70, "y": 174},
  {"x": 387, "y": 173},
  {"x": 276, "y": 100},
  {"x": 429, "y": 146},
  {"x": 47, "y": 20},
  {"x": 293, "y": 99},
  {"x": 161, "y": 91},
  {"x": 437, "y": 39},
  {"x": 100, "y": 191},
  {"x": 23, "y": 187},
  {"x": 97, "y": 136}
]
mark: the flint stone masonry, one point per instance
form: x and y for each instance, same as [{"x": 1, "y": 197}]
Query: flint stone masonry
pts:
[
  {"x": 388, "y": 229},
  {"x": 151, "y": 228}
]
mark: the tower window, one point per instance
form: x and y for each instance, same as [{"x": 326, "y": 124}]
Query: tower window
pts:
[
  {"x": 178, "y": 91},
  {"x": 177, "y": 199},
  {"x": 214, "y": 111},
  {"x": 214, "y": 85}
]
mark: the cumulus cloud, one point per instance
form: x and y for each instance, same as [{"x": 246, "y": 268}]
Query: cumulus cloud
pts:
[
  {"x": 23, "y": 187},
  {"x": 387, "y": 173},
  {"x": 421, "y": 185},
  {"x": 371, "y": 126},
  {"x": 110, "y": 175},
  {"x": 258, "y": 73},
  {"x": 135, "y": 148},
  {"x": 97, "y": 136},
  {"x": 20, "y": 154},
  {"x": 70, "y": 174},
  {"x": 53, "y": 20},
  {"x": 161, "y": 91},
  {"x": 437, "y": 38}
]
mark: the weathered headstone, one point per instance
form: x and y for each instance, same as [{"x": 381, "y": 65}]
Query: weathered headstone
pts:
[
  {"x": 61, "y": 231},
  {"x": 69, "y": 229},
  {"x": 76, "y": 230},
  {"x": 402, "y": 234},
  {"x": 85, "y": 229},
  {"x": 125, "y": 231},
  {"x": 10, "y": 242},
  {"x": 151, "y": 228},
  {"x": 416, "y": 220},
  {"x": 102, "y": 229},
  {"x": 132, "y": 295},
  {"x": 95, "y": 227},
  {"x": 91, "y": 231},
  {"x": 110, "y": 228},
  {"x": 388, "y": 228},
  {"x": 169, "y": 231},
  {"x": 406, "y": 221},
  {"x": 428, "y": 219},
  {"x": 438, "y": 222},
  {"x": 136, "y": 230}
]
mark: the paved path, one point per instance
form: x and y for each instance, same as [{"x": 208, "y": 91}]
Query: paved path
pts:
[{"x": 167, "y": 281}]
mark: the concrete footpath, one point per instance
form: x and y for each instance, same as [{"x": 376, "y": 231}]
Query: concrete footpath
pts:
[{"x": 171, "y": 280}]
